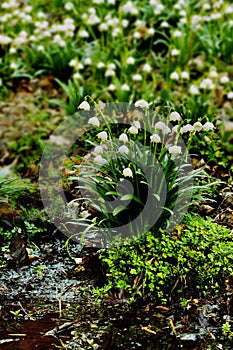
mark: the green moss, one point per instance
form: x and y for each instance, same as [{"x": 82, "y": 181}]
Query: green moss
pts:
[{"x": 193, "y": 260}]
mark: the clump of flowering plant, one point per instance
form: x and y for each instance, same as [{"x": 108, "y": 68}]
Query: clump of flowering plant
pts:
[{"x": 137, "y": 176}]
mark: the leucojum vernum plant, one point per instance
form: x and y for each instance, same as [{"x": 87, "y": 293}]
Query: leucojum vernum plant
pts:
[{"x": 136, "y": 174}]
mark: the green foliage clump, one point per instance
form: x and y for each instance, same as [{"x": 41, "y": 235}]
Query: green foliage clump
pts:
[{"x": 191, "y": 261}]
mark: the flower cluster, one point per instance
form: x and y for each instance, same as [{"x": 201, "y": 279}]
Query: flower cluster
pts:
[{"x": 93, "y": 44}]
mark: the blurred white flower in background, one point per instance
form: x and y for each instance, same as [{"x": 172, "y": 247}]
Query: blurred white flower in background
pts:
[
  {"x": 174, "y": 76},
  {"x": 141, "y": 103},
  {"x": 174, "y": 150},
  {"x": 124, "y": 149}
]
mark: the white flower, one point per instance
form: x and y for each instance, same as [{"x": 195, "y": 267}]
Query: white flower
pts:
[
  {"x": 73, "y": 62},
  {"x": 103, "y": 26},
  {"x": 111, "y": 87},
  {"x": 12, "y": 50},
  {"x": 98, "y": 150},
  {"x": 213, "y": 74},
  {"x": 160, "y": 125},
  {"x": 123, "y": 137},
  {"x": 130, "y": 8},
  {"x": 155, "y": 138},
  {"x": 94, "y": 121},
  {"x": 111, "y": 66},
  {"x": 175, "y": 128},
  {"x": 133, "y": 130},
  {"x": 83, "y": 34},
  {"x": 175, "y": 52},
  {"x": 197, "y": 126},
  {"x": 193, "y": 90},
  {"x": 124, "y": 149},
  {"x": 230, "y": 95},
  {"x": 166, "y": 130},
  {"x": 93, "y": 19},
  {"x": 127, "y": 172},
  {"x": 141, "y": 103},
  {"x": 40, "y": 48},
  {"x": 164, "y": 24},
  {"x": 184, "y": 75},
  {"x": 58, "y": 40},
  {"x": 183, "y": 20},
  {"x": 174, "y": 116},
  {"x": 175, "y": 150},
  {"x": 150, "y": 31},
  {"x": 159, "y": 8},
  {"x": 174, "y": 76},
  {"x": 115, "y": 32},
  {"x": 125, "y": 23},
  {"x": 103, "y": 135},
  {"x": 100, "y": 65},
  {"x": 186, "y": 128},
  {"x": 208, "y": 126},
  {"x": 4, "y": 39},
  {"x": 110, "y": 73},
  {"x": 207, "y": 84},
  {"x": 137, "y": 77},
  {"x": 13, "y": 65},
  {"x": 100, "y": 160},
  {"x": 77, "y": 76},
  {"x": 87, "y": 61},
  {"x": 136, "y": 35},
  {"x": 137, "y": 124},
  {"x": 147, "y": 68},
  {"x": 139, "y": 23},
  {"x": 125, "y": 87},
  {"x": 130, "y": 60},
  {"x": 177, "y": 34},
  {"x": 183, "y": 13},
  {"x": 224, "y": 79},
  {"x": 68, "y": 6},
  {"x": 84, "y": 105}
]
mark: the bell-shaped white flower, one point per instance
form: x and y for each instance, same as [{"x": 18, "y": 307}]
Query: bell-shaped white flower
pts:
[
  {"x": 197, "y": 126},
  {"x": 174, "y": 150},
  {"x": 186, "y": 128},
  {"x": 133, "y": 130},
  {"x": 124, "y": 149},
  {"x": 98, "y": 150},
  {"x": 141, "y": 104},
  {"x": 174, "y": 116},
  {"x": 94, "y": 121},
  {"x": 123, "y": 137},
  {"x": 127, "y": 172},
  {"x": 100, "y": 160},
  {"x": 155, "y": 138},
  {"x": 208, "y": 126},
  {"x": 137, "y": 124},
  {"x": 103, "y": 135},
  {"x": 84, "y": 105}
]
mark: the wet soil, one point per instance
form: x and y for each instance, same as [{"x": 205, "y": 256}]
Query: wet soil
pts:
[{"x": 50, "y": 304}]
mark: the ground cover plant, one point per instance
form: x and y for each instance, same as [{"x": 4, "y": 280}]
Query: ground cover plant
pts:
[{"x": 167, "y": 68}]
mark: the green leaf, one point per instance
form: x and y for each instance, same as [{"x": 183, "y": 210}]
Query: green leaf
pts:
[{"x": 117, "y": 210}]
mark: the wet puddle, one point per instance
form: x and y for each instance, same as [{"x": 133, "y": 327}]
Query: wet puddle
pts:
[{"x": 29, "y": 335}]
